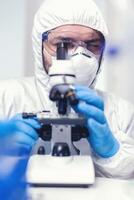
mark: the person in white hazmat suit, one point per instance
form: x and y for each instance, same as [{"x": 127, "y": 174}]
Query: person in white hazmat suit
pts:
[{"x": 109, "y": 118}]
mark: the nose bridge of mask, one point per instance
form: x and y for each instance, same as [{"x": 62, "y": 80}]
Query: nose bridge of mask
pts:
[{"x": 83, "y": 51}]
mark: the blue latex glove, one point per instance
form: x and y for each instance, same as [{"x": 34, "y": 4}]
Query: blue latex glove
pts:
[
  {"x": 12, "y": 178},
  {"x": 91, "y": 106},
  {"x": 18, "y": 135}
]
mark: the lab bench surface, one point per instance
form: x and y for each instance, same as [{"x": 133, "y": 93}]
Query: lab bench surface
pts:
[{"x": 103, "y": 189}]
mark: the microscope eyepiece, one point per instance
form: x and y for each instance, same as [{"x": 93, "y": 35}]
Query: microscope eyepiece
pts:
[{"x": 62, "y": 51}]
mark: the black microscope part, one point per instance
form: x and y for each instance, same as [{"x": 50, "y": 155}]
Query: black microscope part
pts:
[{"x": 62, "y": 51}]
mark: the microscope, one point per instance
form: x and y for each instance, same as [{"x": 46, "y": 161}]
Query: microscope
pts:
[{"x": 64, "y": 166}]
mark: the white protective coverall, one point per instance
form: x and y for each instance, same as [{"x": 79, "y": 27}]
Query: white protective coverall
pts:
[{"x": 30, "y": 94}]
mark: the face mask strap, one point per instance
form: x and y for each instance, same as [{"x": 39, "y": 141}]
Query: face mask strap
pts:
[
  {"x": 102, "y": 53},
  {"x": 100, "y": 61}
]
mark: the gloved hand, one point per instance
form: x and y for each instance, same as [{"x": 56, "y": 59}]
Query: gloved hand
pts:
[
  {"x": 18, "y": 135},
  {"x": 12, "y": 177},
  {"x": 91, "y": 106}
]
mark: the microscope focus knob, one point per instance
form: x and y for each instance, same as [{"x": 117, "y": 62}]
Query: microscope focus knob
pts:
[
  {"x": 41, "y": 150},
  {"x": 61, "y": 149}
]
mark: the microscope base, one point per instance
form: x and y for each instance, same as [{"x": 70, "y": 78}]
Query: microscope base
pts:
[{"x": 60, "y": 171}]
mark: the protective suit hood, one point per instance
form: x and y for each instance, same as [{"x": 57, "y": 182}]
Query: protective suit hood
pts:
[{"x": 55, "y": 13}]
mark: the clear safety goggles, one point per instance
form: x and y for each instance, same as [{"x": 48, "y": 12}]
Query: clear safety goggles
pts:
[{"x": 71, "y": 42}]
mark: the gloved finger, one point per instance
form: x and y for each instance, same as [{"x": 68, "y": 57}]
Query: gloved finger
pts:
[
  {"x": 81, "y": 87},
  {"x": 18, "y": 144},
  {"x": 17, "y": 150},
  {"x": 26, "y": 129},
  {"x": 102, "y": 139},
  {"x": 33, "y": 122},
  {"x": 90, "y": 111},
  {"x": 6, "y": 128},
  {"x": 91, "y": 99},
  {"x": 98, "y": 130},
  {"x": 97, "y": 137},
  {"x": 89, "y": 96},
  {"x": 22, "y": 139}
]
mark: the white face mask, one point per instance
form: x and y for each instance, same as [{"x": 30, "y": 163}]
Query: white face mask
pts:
[{"x": 85, "y": 65}]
